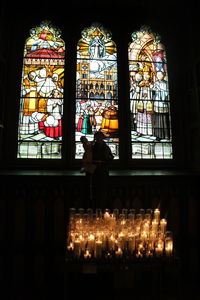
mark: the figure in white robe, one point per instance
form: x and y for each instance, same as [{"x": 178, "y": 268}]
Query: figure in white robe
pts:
[
  {"x": 161, "y": 108},
  {"x": 144, "y": 107}
]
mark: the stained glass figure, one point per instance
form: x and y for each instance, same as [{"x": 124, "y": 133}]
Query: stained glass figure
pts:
[
  {"x": 151, "y": 135},
  {"x": 41, "y": 101},
  {"x": 96, "y": 88}
]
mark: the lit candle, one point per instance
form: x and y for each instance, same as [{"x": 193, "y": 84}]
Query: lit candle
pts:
[
  {"x": 112, "y": 220},
  {"x": 139, "y": 218},
  {"x": 163, "y": 225},
  {"x": 131, "y": 219},
  {"x": 139, "y": 253},
  {"x": 137, "y": 229},
  {"x": 104, "y": 238},
  {"x": 152, "y": 235},
  {"x": 87, "y": 254},
  {"x": 154, "y": 225},
  {"x": 111, "y": 242},
  {"x": 70, "y": 246},
  {"x": 150, "y": 247},
  {"x": 98, "y": 249},
  {"x": 159, "y": 247},
  {"x": 168, "y": 246},
  {"x": 119, "y": 252},
  {"x": 93, "y": 233},
  {"x": 139, "y": 247},
  {"x": 131, "y": 244},
  {"x": 150, "y": 244},
  {"x": 122, "y": 220},
  {"x": 147, "y": 218},
  {"x": 77, "y": 249},
  {"x": 82, "y": 242},
  {"x": 144, "y": 235},
  {"x": 145, "y": 226},
  {"x": 106, "y": 214},
  {"x": 122, "y": 240},
  {"x": 157, "y": 214},
  {"x": 90, "y": 243}
]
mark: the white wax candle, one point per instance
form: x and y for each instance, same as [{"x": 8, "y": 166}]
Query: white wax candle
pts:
[
  {"x": 163, "y": 225},
  {"x": 144, "y": 235},
  {"x": 157, "y": 214},
  {"x": 122, "y": 241},
  {"x": 154, "y": 225},
  {"x": 159, "y": 247},
  {"x": 90, "y": 243},
  {"x": 168, "y": 246},
  {"x": 111, "y": 243},
  {"x": 82, "y": 242}
]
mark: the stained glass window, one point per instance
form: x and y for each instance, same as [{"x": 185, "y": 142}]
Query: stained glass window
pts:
[
  {"x": 151, "y": 135},
  {"x": 96, "y": 88},
  {"x": 41, "y": 99}
]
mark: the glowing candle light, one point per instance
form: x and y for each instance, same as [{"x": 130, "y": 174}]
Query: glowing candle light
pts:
[
  {"x": 159, "y": 247},
  {"x": 87, "y": 254},
  {"x": 163, "y": 225},
  {"x": 111, "y": 242},
  {"x": 77, "y": 249},
  {"x": 70, "y": 246},
  {"x": 157, "y": 214},
  {"x": 145, "y": 230},
  {"x": 112, "y": 220},
  {"x": 139, "y": 247},
  {"x": 147, "y": 218},
  {"x": 131, "y": 219},
  {"x": 150, "y": 247},
  {"x": 98, "y": 249},
  {"x": 90, "y": 242},
  {"x": 119, "y": 252},
  {"x": 106, "y": 215},
  {"x": 139, "y": 252},
  {"x": 168, "y": 246},
  {"x": 104, "y": 233},
  {"x": 168, "y": 243},
  {"x": 122, "y": 240},
  {"x": 154, "y": 225},
  {"x": 82, "y": 242},
  {"x": 131, "y": 244},
  {"x": 144, "y": 235}
]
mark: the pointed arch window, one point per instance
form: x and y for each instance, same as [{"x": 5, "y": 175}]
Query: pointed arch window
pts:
[
  {"x": 41, "y": 99},
  {"x": 151, "y": 135},
  {"x": 96, "y": 105}
]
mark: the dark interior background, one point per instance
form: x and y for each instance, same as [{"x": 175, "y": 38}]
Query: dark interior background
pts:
[{"x": 35, "y": 196}]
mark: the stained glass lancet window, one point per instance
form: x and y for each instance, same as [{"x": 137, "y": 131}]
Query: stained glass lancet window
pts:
[
  {"x": 151, "y": 135},
  {"x": 41, "y": 101},
  {"x": 96, "y": 88}
]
